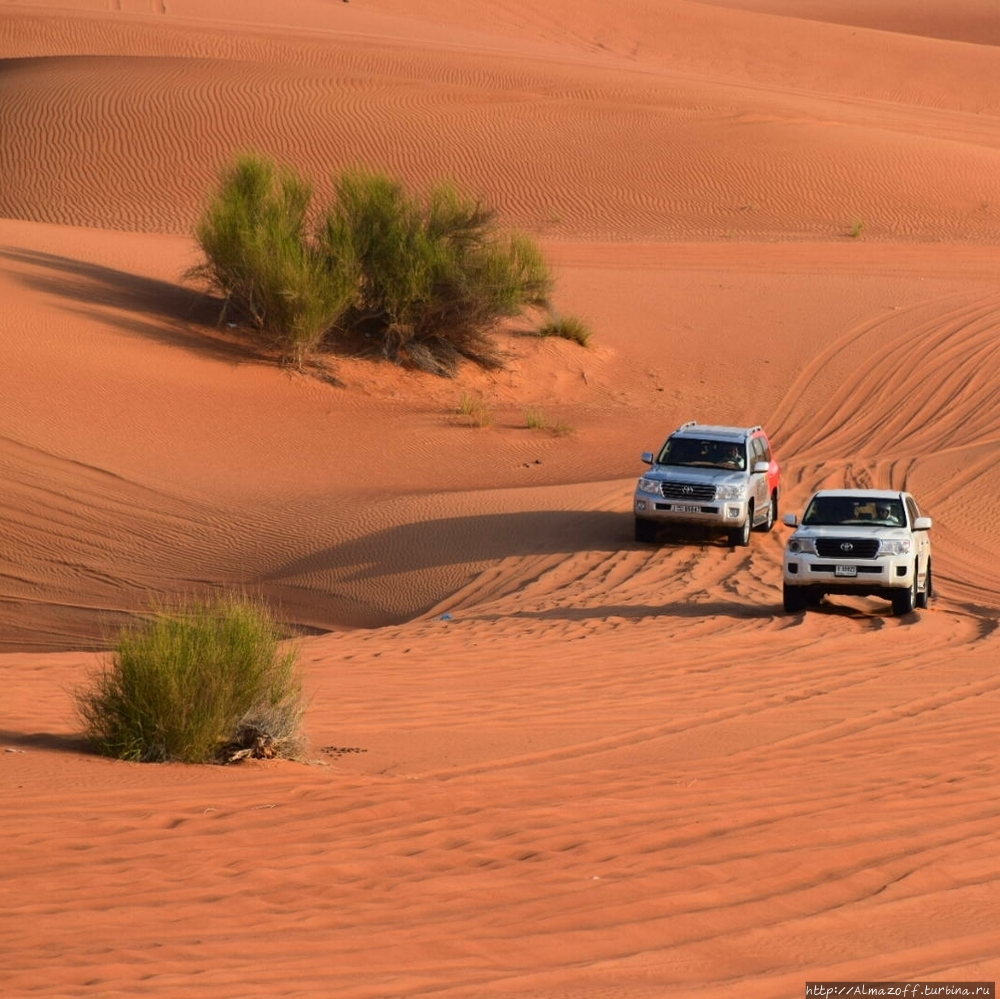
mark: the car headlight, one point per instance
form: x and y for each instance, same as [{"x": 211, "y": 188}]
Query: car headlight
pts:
[
  {"x": 896, "y": 546},
  {"x": 650, "y": 486},
  {"x": 802, "y": 546},
  {"x": 729, "y": 492}
]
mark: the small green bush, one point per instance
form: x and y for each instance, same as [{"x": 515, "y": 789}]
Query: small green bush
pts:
[
  {"x": 534, "y": 419},
  {"x": 202, "y": 682},
  {"x": 475, "y": 411},
  {"x": 568, "y": 328}
]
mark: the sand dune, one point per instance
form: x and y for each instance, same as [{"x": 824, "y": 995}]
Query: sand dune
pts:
[
  {"x": 577, "y": 137},
  {"x": 544, "y": 761}
]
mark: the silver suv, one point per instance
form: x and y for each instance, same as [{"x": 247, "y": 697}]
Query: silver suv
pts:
[
  {"x": 866, "y": 542},
  {"x": 719, "y": 478}
]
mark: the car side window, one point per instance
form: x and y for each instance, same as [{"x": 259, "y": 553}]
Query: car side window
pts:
[
  {"x": 765, "y": 451},
  {"x": 911, "y": 509}
]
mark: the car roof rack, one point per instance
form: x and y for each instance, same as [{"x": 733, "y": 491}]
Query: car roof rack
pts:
[{"x": 711, "y": 427}]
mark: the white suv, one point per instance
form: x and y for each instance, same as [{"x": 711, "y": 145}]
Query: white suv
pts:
[
  {"x": 710, "y": 477},
  {"x": 866, "y": 542}
]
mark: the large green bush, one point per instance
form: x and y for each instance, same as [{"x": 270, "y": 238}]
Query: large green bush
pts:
[
  {"x": 427, "y": 278},
  {"x": 204, "y": 681},
  {"x": 263, "y": 259},
  {"x": 436, "y": 274}
]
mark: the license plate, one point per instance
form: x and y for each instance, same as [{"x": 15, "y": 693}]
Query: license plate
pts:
[
  {"x": 845, "y": 570},
  {"x": 678, "y": 508}
]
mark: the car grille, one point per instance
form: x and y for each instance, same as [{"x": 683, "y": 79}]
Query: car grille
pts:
[
  {"x": 831, "y": 569},
  {"x": 847, "y": 547},
  {"x": 688, "y": 492}
]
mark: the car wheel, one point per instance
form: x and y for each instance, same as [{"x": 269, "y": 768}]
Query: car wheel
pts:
[
  {"x": 903, "y": 601},
  {"x": 924, "y": 598},
  {"x": 813, "y": 596},
  {"x": 739, "y": 537},
  {"x": 793, "y": 598},
  {"x": 645, "y": 531},
  {"x": 772, "y": 516}
]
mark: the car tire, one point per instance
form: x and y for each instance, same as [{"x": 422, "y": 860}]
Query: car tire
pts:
[
  {"x": 924, "y": 598},
  {"x": 794, "y": 599},
  {"x": 772, "y": 516},
  {"x": 645, "y": 531},
  {"x": 739, "y": 537},
  {"x": 813, "y": 596},
  {"x": 903, "y": 601}
]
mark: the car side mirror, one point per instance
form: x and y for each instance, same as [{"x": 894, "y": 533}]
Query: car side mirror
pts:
[
  {"x": 760, "y": 467},
  {"x": 647, "y": 457},
  {"x": 922, "y": 524},
  {"x": 790, "y": 520}
]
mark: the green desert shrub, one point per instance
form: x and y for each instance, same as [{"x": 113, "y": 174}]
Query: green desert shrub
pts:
[
  {"x": 426, "y": 278},
  {"x": 436, "y": 273},
  {"x": 263, "y": 258},
  {"x": 204, "y": 681},
  {"x": 568, "y": 328}
]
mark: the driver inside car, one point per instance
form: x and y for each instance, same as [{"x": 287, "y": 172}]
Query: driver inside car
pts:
[
  {"x": 885, "y": 514},
  {"x": 731, "y": 457}
]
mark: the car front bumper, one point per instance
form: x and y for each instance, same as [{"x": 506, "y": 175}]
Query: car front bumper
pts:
[
  {"x": 717, "y": 514},
  {"x": 847, "y": 576}
]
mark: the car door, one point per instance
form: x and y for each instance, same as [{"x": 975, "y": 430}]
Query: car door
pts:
[
  {"x": 921, "y": 539},
  {"x": 758, "y": 481}
]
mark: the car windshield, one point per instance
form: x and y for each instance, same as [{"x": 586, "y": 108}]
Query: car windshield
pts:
[
  {"x": 697, "y": 453},
  {"x": 833, "y": 511}
]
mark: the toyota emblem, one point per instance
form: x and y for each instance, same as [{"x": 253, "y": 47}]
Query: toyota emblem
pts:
[
  {"x": 846, "y": 546},
  {"x": 687, "y": 490}
]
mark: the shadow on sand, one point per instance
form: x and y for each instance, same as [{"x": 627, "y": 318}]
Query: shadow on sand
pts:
[
  {"x": 460, "y": 540},
  {"x": 52, "y": 741},
  {"x": 160, "y": 311}
]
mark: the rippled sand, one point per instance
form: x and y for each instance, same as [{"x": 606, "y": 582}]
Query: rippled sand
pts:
[{"x": 545, "y": 762}]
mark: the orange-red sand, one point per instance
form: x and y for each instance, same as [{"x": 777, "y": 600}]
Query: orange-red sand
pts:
[{"x": 581, "y": 768}]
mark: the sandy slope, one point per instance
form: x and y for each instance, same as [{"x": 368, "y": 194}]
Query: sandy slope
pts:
[{"x": 545, "y": 761}]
